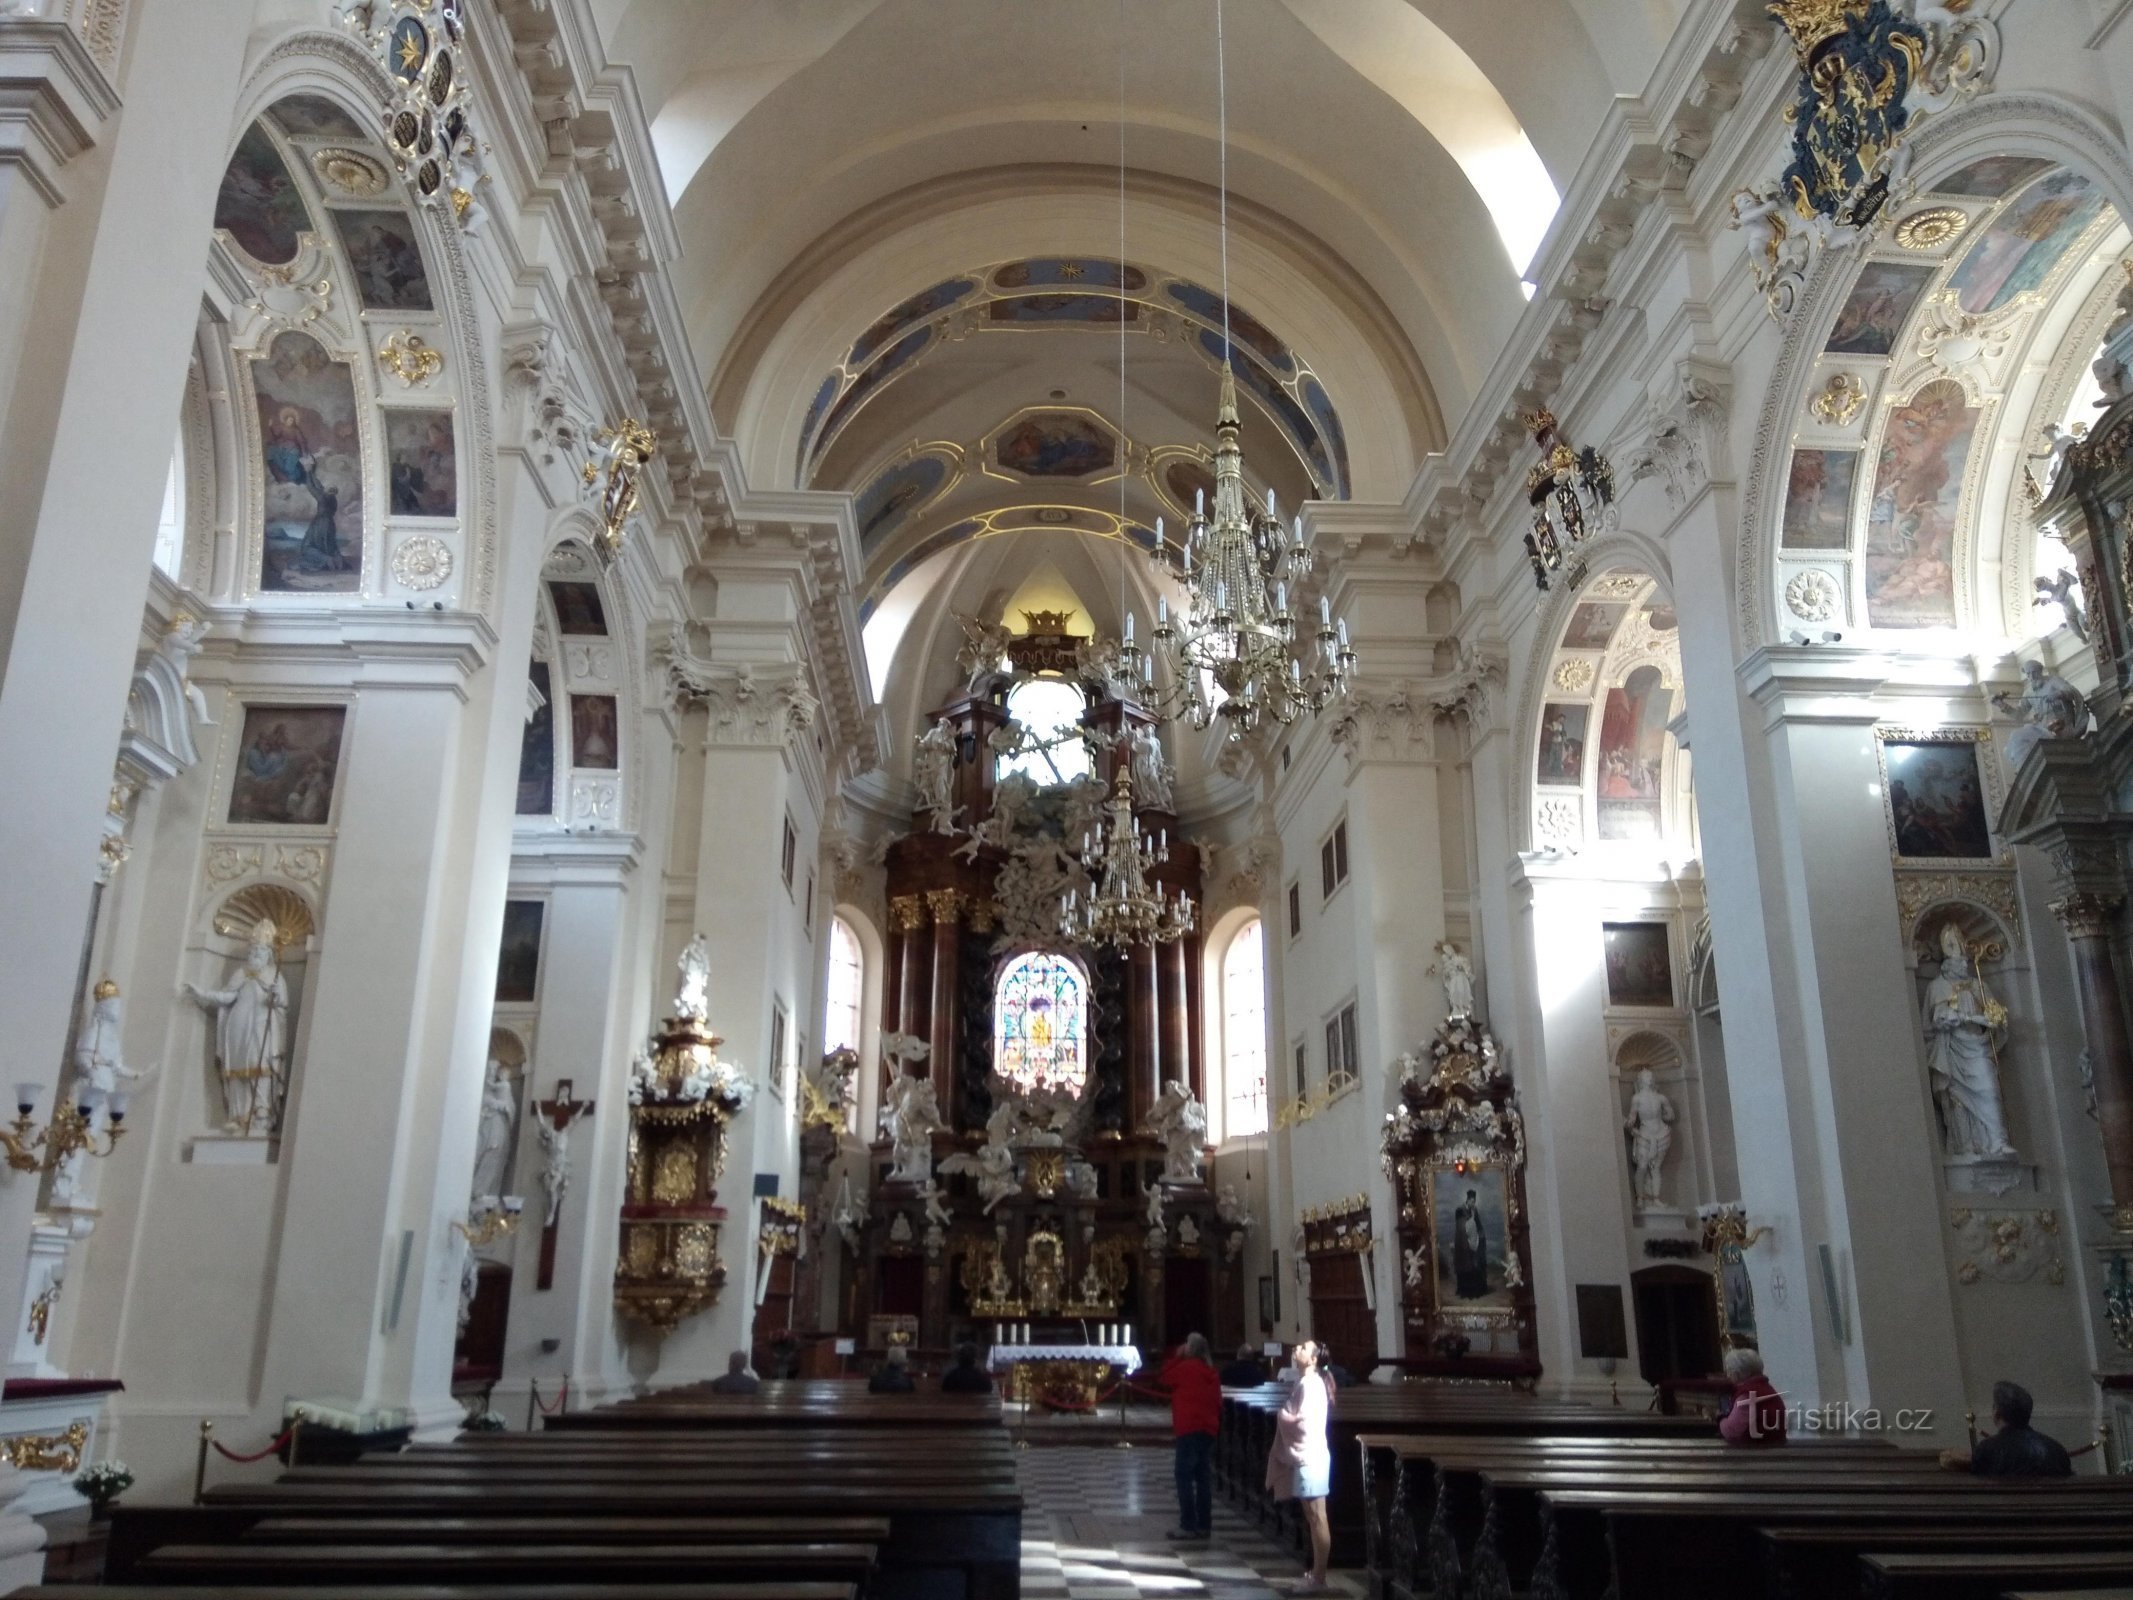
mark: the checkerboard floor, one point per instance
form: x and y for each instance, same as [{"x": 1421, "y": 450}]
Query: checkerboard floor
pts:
[{"x": 1093, "y": 1526}]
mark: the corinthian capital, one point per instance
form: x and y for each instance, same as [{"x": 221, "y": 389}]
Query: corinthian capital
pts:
[{"x": 747, "y": 705}]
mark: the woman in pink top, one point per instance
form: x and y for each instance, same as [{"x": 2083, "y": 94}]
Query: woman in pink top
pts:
[{"x": 1300, "y": 1466}]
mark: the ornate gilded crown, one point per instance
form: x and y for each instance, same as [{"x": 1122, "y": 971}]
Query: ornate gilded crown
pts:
[
  {"x": 106, "y": 990},
  {"x": 1047, "y": 621},
  {"x": 1812, "y": 22}
]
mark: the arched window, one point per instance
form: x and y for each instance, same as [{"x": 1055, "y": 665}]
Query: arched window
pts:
[
  {"x": 1049, "y": 713},
  {"x": 1039, "y": 1023},
  {"x": 170, "y": 525},
  {"x": 847, "y": 984},
  {"x": 1244, "y": 1033}
]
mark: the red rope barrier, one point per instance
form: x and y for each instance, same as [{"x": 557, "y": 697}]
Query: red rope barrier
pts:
[
  {"x": 273, "y": 1449},
  {"x": 562, "y": 1399}
]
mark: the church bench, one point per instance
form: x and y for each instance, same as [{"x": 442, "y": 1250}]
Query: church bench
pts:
[
  {"x": 581, "y": 1590},
  {"x": 572, "y": 1530},
  {"x": 701, "y": 1469},
  {"x": 1660, "y": 1540},
  {"x": 1817, "y": 1562},
  {"x": 1984, "y": 1575},
  {"x": 664, "y": 1561},
  {"x": 1417, "y": 1527},
  {"x": 1248, "y": 1419},
  {"x": 956, "y": 1541},
  {"x": 1398, "y": 1474}
]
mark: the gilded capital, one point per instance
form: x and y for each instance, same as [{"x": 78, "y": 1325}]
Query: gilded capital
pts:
[
  {"x": 907, "y": 913},
  {"x": 945, "y": 904},
  {"x": 984, "y": 916},
  {"x": 2086, "y": 915}
]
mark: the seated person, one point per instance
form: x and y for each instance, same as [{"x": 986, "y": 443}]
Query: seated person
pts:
[
  {"x": 2015, "y": 1449},
  {"x": 1336, "y": 1374},
  {"x": 894, "y": 1374},
  {"x": 738, "y": 1379},
  {"x": 1245, "y": 1371},
  {"x": 1756, "y": 1413},
  {"x": 966, "y": 1376}
]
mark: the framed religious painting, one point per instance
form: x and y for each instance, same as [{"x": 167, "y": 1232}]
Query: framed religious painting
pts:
[
  {"x": 1454, "y": 1147},
  {"x": 288, "y": 763},
  {"x": 1938, "y": 793},
  {"x": 1640, "y": 970}
]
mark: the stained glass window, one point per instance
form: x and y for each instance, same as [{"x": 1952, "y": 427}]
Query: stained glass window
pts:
[{"x": 1038, "y": 1020}]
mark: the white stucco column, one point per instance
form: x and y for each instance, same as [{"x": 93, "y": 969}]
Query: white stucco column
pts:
[
  {"x": 100, "y": 251},
  {"x": 592, "y": 963},
  {"x": 1863, "y": 1133},
  {"x": 1573, "y": 1128},
  {"x": 757, "y": 740}
]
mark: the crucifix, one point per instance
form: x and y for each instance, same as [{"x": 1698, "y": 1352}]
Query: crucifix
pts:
[{"x": 558, "y": 1113}]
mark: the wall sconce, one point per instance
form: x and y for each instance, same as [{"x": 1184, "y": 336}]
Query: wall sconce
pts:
[
  {"x": 490, "y": 1218},
  {"x": 70, "y": 1129}
]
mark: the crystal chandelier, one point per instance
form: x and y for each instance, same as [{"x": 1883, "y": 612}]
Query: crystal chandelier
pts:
[
  {"x": 1572, "y": 493},
  {"x": 1121, "y": 909},
  {"x": 1236, "y": 631}
]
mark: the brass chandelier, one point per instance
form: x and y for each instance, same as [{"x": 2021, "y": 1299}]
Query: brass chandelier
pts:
[
  {"x": 1122, "y": 909},
  {"x": 1237, "y": 633}
]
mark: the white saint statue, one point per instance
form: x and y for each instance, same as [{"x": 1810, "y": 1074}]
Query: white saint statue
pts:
[
  {"x": 1651, "y": 1134},
  {"x": 933, "y": 771},
  {"x": 2049, "y": 706},
  {"x": 492, "y": 1139},
  {"x": 251, "y": 1036},
  {"x": 99, "y": 1060},
  {"x": 1964, "y": 1025},
  {"x": 1180, "y": 1121},
  {"x": 1151, "y": 772},
  {"x": 911, "y": 1116},
  {"x": 692, "y": 998},
  {"x": 1457, "y": 973}
]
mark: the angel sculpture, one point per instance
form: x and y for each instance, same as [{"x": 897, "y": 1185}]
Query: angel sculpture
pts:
[
  {"x": 911, "y": 1115},
  {"x": 984, "y": 650},
  {"x": 992, "y": 1166},
  {"x": 937, "y": 1213},
  {"x": 1013, "y": 803},
  {"x": 1180, "y": 1121},
  {"x": 933, "y": 772},
  {"x": 2061, "y": 589}
]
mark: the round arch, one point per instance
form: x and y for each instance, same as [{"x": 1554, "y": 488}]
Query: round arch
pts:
[
  {"x": 1623, "y": 559},
  {"x": 2041, "y": 126},
  {"x": 874, "y": 967},
  {"x": 345, "y": 81}
]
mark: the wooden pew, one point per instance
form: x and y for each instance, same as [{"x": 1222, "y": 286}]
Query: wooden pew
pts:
[
  {"x": 1248, "y": 1423},
  {"x": 1413, "y": 1532},
  {"x": 1984, "y": 1575},
  {"x": 250, "y": 1563},
  {"x": 1825, "y": 1561},
  {"x": 1660, "y": 1538},
  {"x": 821, "y": 1484},
  {"x": 466, "y": 1591}
]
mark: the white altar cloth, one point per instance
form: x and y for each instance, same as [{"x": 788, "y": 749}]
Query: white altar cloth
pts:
[{"x": 1123, "y": 1356}]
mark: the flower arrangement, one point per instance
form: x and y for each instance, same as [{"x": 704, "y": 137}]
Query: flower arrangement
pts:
[{"x": 104, "y": 1482}]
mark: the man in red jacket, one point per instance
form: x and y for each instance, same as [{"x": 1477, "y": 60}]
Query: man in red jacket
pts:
[{"x": 1195, "y": 1416}]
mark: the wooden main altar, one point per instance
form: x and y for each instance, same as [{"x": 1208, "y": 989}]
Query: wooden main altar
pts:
[{"x": 1062, "y": 1206}]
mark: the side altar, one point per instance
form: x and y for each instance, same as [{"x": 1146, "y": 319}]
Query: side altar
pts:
[{"x": 1043, "y": 1132}]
